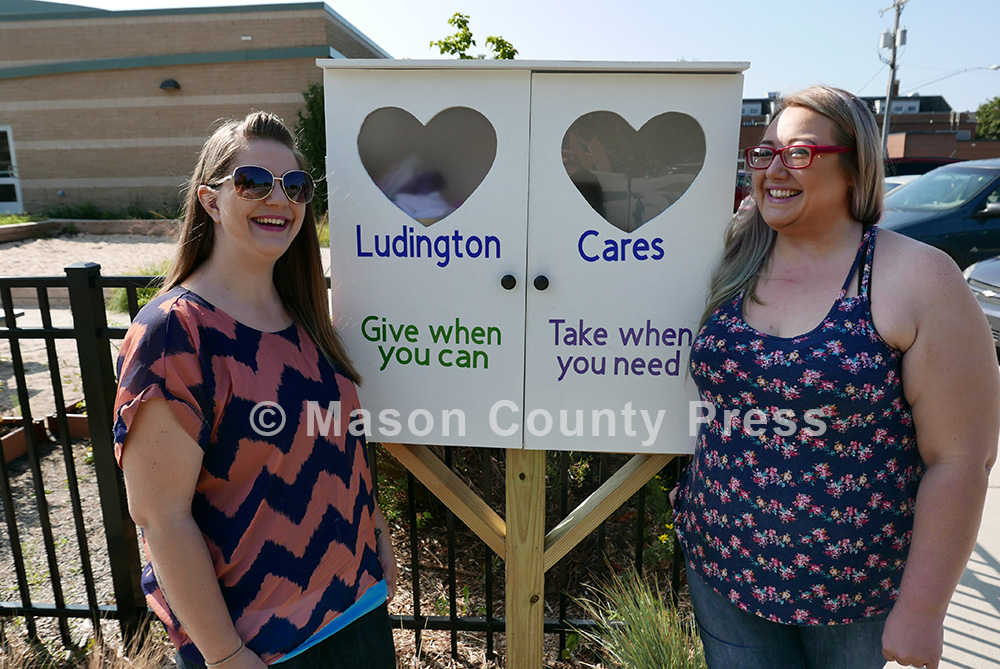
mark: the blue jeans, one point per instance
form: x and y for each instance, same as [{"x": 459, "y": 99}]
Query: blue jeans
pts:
[
  {"x": 366, "y": 643},
  {"x": 735, "y": 638}
]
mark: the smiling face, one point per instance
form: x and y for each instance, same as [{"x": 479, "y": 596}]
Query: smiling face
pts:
[
  {"x": 254, "y": 230},
  {"x": 812, "y": 196}
]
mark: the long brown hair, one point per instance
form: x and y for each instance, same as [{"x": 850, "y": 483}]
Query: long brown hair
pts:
[
  {"x": 749, "y": 240},
  {"x": 298, "y": 273}
]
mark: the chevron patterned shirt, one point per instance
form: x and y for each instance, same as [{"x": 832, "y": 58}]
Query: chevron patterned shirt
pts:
[{"x": 287, "y": 517}]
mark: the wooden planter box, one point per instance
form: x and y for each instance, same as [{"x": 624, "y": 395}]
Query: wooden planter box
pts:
[
  {"x": 79, "y": 428},
  {"x": 15, "y": 444}
]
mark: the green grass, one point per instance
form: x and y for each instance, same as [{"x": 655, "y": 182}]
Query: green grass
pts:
[
  {"x": 12, "y": 219},
  {"x": 118, "y": 300},
  {"x": 324, "y": 233},
  {"x": 638, "y": 630}
]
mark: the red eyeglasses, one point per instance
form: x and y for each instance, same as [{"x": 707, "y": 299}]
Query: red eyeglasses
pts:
[{"x": 794, "y": 157}]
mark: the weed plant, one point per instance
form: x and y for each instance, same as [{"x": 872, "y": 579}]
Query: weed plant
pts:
[
  {"x": 638, "y": 630},
  {"x": 91, "y": 212},
  {"x": 118, "y": 299},
  {"x": 153, "y": 651},
  {"x": 12, "y": 219}
]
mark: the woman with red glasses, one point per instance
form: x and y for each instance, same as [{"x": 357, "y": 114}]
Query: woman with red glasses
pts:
[
  {"x": 830, "y": 510},
  {"x": 233, "y": 428}
]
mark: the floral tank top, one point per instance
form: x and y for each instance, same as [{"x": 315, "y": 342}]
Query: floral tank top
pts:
[{"x": 798, "y": 504}]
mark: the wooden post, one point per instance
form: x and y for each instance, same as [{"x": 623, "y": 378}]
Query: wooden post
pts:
[{"x": 525, "y": 544}]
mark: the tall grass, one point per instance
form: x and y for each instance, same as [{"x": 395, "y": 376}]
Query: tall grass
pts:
[
  {"x": 152, "y": 652},
  {"x": 638, "y": 630}
]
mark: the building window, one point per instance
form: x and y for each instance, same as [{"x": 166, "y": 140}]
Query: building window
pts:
[{"x": 751, "y": 109}]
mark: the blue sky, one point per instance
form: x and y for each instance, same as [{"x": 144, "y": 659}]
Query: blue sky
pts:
[{"x": 790, "y": 44}]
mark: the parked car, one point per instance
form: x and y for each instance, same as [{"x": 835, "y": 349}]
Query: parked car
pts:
[
  {"x": 984, "y": 280},
  {"x": 955, "y": 208},
  {"x": 744, "y": 186},
  {"x": 892, "y": 183},
  {"x": 895, "y": 167}
]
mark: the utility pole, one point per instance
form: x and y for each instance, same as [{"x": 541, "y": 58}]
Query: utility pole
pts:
[{"x": 895, "y": 40}]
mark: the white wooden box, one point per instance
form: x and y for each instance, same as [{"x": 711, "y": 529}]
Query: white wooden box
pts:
[{"x": 521, "y": 250}]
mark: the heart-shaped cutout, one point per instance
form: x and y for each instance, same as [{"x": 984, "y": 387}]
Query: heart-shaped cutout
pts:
[
  {"x": 430, "y": 170},
  {"x": 630, "y": 177}
]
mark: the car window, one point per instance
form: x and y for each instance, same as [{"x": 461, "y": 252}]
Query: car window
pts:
[
  {"x": 940, "y": 189},
  {"x": 994, "y": 197}
]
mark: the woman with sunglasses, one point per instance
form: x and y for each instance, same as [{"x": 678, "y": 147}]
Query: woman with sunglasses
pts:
[
  {"x": 831, "y": 507},
  {"x": 265, "y": 543}
]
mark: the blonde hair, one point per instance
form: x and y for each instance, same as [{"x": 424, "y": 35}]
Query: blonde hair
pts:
[
  {"x": 298, "y": 273},
  {"x": 749, "y": 240}
]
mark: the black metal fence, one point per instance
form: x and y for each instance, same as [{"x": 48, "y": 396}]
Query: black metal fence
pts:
[{"x": 95, "y": 342}]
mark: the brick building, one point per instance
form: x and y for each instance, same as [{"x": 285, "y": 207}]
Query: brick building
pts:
[
  {"x": 919, "y": 126},
  {"x": 111, "y": 108}
]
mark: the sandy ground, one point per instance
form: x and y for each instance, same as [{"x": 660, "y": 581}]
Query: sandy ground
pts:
[{"x": 116, "y": 254}]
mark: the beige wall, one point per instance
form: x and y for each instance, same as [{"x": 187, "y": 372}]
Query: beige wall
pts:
[
  {"x": 112, "y": 137},
  {"x": 54, "y": 40}
]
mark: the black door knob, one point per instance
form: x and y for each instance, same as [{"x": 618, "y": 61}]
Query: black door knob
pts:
[
  {"x": 508, "y": 282},
  {"x": 541, "y": 282}
]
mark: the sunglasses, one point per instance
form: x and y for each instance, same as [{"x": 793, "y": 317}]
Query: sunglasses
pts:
[
  {"x": 256, "y": 183},
  {"x": 794, "y": 157}
]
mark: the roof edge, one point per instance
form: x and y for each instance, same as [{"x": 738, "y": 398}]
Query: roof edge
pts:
[
  {"x": 99, "y": 64},
  {"x": 96, "y": 13}
]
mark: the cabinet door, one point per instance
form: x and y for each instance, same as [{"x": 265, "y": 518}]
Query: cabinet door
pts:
[
  {"x": 630, "y": 189},
  {"x": 428, "y": 214}
]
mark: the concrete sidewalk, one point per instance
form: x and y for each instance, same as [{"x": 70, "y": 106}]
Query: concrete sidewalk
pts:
[{"x": 972, "y": 628}]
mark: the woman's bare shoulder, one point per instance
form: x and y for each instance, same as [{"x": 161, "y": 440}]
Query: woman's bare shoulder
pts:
[
  {"x": 910, "y": 265},
  {"x": 911, "y": 282}
]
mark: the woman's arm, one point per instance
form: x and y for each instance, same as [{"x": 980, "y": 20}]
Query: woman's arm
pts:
[
  {"x": 951, "y": 380},
  {"x": 386, "y": 556},
  {"x": 162, "y": 464}
]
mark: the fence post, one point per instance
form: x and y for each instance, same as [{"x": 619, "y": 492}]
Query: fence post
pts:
[{"x": 90, "y": 324}]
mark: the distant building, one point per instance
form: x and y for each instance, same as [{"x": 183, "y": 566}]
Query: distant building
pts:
[
  {"x": 110, "y": 108},
  {"x": 919, "y": 126}
]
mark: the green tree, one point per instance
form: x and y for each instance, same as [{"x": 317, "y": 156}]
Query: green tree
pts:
[
  {"x": 311, "y": 132},
  {"x": 460, "y": 43},
  {"x": 988, "y": 120}
]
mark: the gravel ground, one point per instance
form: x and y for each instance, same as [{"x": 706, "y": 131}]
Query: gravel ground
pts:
[{"x": 117, "y": 254}]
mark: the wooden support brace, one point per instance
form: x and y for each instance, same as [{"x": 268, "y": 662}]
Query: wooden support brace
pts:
[
  {"x": 602, "y": 503},
  {"x": 454, "y": 493}
]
